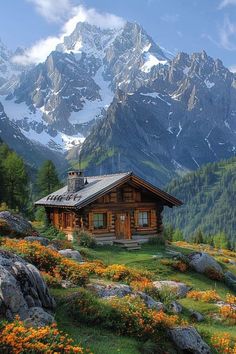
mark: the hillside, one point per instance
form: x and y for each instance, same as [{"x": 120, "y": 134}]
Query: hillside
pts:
[
  {"x": 209, "y": 200},
  {"x": 111, "y": 303}
]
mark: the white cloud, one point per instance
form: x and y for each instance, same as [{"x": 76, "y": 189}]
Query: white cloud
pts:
[
  {"x": 225, "y": 3},
  {"x": 227, "y": 35},
  {"x": 52, "y": 10},
  {"x": 42, "y": 48},
  {"x": 170, "y": 18}
]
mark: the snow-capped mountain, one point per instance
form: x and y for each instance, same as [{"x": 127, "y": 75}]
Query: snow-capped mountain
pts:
[
  {"x": 57, "y": 102},
  {"x": 183, "y": 119}
]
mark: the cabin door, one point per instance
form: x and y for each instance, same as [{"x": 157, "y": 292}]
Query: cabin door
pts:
[{"x": 123, "y": 226}]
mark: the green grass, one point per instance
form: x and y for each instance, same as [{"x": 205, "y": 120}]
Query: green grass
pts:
[
  {"x": 98, "y": 340},
  {"x": 148, "y": 258}
]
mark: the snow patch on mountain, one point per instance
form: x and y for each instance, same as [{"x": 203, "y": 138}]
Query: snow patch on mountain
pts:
[
  {"x": 209, "y": 84},
  {"x": 151, "y": 61}
]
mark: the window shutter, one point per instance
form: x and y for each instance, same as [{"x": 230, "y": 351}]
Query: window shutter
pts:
[
  {"x": 91, "y": 221},
  {"x": 136, "y": 214},
  {"x": 153, "y": 218}
]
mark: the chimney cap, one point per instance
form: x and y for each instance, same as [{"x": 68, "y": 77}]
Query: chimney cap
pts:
[{"x": 76, "y": 173}]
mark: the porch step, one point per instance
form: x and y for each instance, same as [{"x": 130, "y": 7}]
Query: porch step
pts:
[{"x": 129, "y": 245}]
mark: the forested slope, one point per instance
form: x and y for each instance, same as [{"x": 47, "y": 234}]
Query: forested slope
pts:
[{"x": 209, "y": 197}]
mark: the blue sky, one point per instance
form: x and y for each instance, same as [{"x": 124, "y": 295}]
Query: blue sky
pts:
[{"x": 177, "y": 25}]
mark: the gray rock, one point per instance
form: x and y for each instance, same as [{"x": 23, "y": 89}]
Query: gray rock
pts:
[
  {"x": 175, "y": 307},
  {"x": 37, "y": 317},
  {"x": 150, "y": 302},
  {"x": 188, "y": 340},
  {"x": 181, "y": 289},
  {"x": 14, "y": 225},
  {"x": 119, "y": 290},
  {"x": 196, "y": 316},
  {"x": 201, "y": 262},
  {"x": 230, "y": 280},
  {"x": 69, "y": 253},
  {"x": 42, "y": 240},
  {"x": 21, "y": 288}
]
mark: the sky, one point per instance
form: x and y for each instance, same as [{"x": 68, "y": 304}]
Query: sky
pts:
[{"x": 177, "y": 25}]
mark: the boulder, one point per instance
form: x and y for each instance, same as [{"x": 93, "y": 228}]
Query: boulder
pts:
[
  {"x": 202, "y": 262},
  {"x": 188, "y": 340},
  {"x": 175, "y": 307},
  {"x": 119, "y": 290},
  {"x": 196, "y": 316},
  {"x": 72, "y": 254},
  {"x": 14, "y": 225},
  {"x": 181, "y": 289},
  {"x": 42, "y": 240},
  {"x": 230, "y": 280},
  {"x": 22, "y": 289},
  {"x": 150, "y": 302},
  {"x": 37, "y": 317}
]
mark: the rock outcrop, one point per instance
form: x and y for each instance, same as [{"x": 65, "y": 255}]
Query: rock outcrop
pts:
[
  {"x": 179, "y": 288},
  {"x": 42, "y": 240},
  {"x": 69, "y": 253},
  {"x": 230, "y": 280},
  {"x": 188, "y": 340},
  {"x": 23, "y": 291},
  {"x": 14, "y": 225},
  {"x": 203, "y": 263}
]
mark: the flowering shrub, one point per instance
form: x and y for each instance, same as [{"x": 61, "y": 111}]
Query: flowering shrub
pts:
[
  {"x": 127, "y": 315},
  {"x": 223, "y": 343},
  {"x": 206, "y": 296},
  {"x": 213, "y": 274},
  {"x": 147, "y": 287},
  {"x": 15, "y": 338},
  {"x": 180, "y": 266},
  {"x": 228, "y": 312},
  {"x": 47, "y": 260},
  {"x": 52, "y": 281},
  {"x": 231, "y": 299},
  {"x": 118, "y": 272}
]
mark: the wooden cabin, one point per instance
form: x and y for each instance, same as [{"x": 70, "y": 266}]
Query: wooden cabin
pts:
[{"x": 112, "y": 207}]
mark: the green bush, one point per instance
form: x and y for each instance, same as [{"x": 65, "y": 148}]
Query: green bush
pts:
[
  {"x": 84, "y": 238},
  {"x": 156, "y": 241},
  {"x": 52, "y": 233}
]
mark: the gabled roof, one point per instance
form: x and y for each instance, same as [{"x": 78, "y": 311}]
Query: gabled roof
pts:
[{"x": 97, "y": 186}]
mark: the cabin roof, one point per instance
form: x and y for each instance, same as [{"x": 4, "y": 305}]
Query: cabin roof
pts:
[{"x": 96, "y": 187}]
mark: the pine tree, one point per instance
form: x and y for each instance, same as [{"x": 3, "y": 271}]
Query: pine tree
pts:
[
  {"x": 178, "y": 235},
  {"x": 47, "y": 179},
  {"x": 15, "y": 182}
]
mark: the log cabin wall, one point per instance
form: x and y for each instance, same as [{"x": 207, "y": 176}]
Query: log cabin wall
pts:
[{"x": 133, "y": 202}]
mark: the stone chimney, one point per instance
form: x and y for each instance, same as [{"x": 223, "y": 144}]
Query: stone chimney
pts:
[{"x": 75, "y": 181}]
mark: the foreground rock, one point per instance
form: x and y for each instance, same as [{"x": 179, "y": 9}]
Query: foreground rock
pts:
[
  {"x": 175, "y": 307},
  {"x": 230, "y": 280},
  {"x": 203, "y": 263},
  {"x": 72, "y": 254},
  {"x": 14, "y": 225},
  {"x": 121, "y": 290},
  {"x": 23, "y": 292},
  {"x": 42, "y": 240},
  {"x": 196, "y": 316},
  {"x": 179, "y": 288},
  {"x": 188, "y": 340}
]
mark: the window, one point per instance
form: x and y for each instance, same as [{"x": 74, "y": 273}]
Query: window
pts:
[
  {"x": 143, "y": 218},
  {"x": 100, "y": 221}
]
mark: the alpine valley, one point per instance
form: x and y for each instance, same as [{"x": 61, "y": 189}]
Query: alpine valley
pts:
[{"x": 114, "y": 100}]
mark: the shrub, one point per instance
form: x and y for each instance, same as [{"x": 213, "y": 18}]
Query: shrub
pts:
[
  {"x": 228, "y": 312},
  {"x": 128, "y": 315},
  {"x": 180, "y": 266},
  {"x": 47, "y": 260},
  {"x": 231, "y": 299},
  {"x": 15, "y": 338},
  {"x": 213, "y": 274},
  {"x": 223, "y": 343},
  {"x": 84, "y": 239},
  {"x": 52, "y": 281},
  {"x": 52, "y": 233},
  {"x": 206, "y": 296},
  {"x": 147, "y": 287},
  {"x": 61, "y": 244},
  {"x": 118, "y": 272},
  {"x": 167, "y": 295},
  {"x": 158, "y": 240}
]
